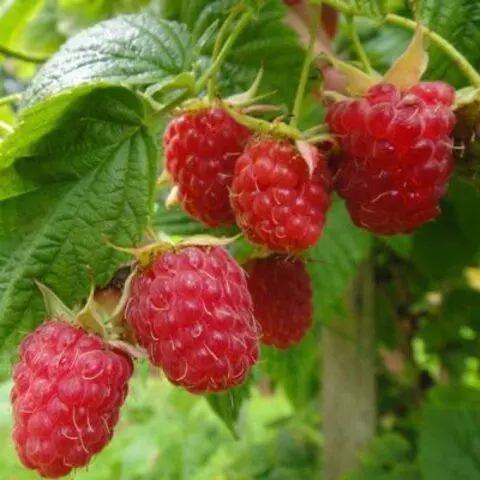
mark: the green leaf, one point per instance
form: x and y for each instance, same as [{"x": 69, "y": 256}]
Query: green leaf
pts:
[
  {"x": 400, "y": 244},
  {"x": 449, "y": 447},
  {"x": 295, "y": 369},
  {"x": 371, "y": 8},
  {"x": 38, "y": 121},
  {"x": 376, "y": 9},
  {"x": 14, "y": 17},
  {"x": 335, "y": 259},
  {"x": 458, "y": 21},
  {"x": 42, "y": 36},
  {"x": 227, "y": 405},
  {"x": 129, "y": 50},
  {"x": 88, "y": 180},
  {"x": 435, "y": 245},
  {"x": 174, "y": 221},
  {"x": 387, "y": 458},
  {"x": 75, "y": 15}
]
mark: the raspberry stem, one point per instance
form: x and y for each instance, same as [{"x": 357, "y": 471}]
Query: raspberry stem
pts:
[
  {"x": 222, "y": 33},
  {"x": 299, "y": 97},
  {"x": 262, "y": 126},
  {"x": 6, "y": 127},
  {"x": 7, "y": 52},
  {"x": 10, "y": 99},
  {"x": 462, "y": 63},
  {"x": 357, "y": 44},
  {"x": 218, "y": 61}
]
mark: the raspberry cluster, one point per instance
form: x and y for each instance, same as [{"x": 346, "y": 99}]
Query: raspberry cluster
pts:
[
  {"x": 192, "y": 311},
  {"x": 198, "y": 315},
  {"x": 68, "y": 388},
  {"x": 396, "y": 154},
  {"x": 263, "y": 183}
]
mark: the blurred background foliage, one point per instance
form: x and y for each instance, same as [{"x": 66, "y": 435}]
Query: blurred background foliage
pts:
[{"x": 427, "y": 285}]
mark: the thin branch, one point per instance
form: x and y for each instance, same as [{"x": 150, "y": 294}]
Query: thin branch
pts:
[
  {"x": 462, "y": 63},
  {"x": 357, "y": 44},
  {"x": 7, "y": 52},
  {"x": 10, "y": 99}
]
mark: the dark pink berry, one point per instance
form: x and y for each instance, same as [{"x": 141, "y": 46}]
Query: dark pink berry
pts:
[
  {"x": 282, "y": 298},
  {"x": 396, "y": 155},
  {"x": 201, "y": 149},
  {"x": 192, "y": 311},
  {"x": 68, "y": 388},
  {"x": 277, "y": 202}
]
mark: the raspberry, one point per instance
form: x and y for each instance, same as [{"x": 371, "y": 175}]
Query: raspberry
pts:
[
  {"x": 396, "y": 155},
  {"x": 201, "y": 149},
  {"x": 192, "y": 311},
  {"x": 276, "y": 201},
  {"x": 67, "y": 393},
  {"x": 282, "y": 298}
]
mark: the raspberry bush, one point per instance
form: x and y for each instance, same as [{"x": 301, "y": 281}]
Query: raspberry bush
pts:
[{"x": 253, "y": 199}]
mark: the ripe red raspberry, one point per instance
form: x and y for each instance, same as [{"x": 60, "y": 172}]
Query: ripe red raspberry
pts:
[
  {"x": 67, "y": 393},
  {"x": 276, "y": 201},
  {"x": 201, "y": 149},
  {"x": 282, "y": 298},
  {"x": 396, "y": 155},
  {"x": 192, "y": 311}
]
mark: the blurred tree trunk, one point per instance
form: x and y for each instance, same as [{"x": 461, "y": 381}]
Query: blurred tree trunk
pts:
[{"x": 348, "y": 383}]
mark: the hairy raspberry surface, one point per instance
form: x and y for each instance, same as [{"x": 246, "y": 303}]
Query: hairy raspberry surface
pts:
[
  {"x": 282, "y": 298},
  {"x": 67, "y": 392},
  {"x": 277, "y": 203},
  {"x": 192, "y": 311},
  {"x": 397, "y": 155},
  {"x": 201, "y": 149}
]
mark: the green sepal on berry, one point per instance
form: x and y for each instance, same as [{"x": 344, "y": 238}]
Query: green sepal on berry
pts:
[
  {"x": 101, "y": 315},
  {"x": 405, "y": 72}
]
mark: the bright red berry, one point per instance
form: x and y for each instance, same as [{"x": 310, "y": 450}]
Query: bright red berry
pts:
[
  {"x": 277, "y": 202},
  {"x": 192, "y": 311},
  {"x": 396, "y": 155},
  {"x": 201, "y": 149},
  {"x": 67, "y": 393},
  {"x": 282, "y": 298}
]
